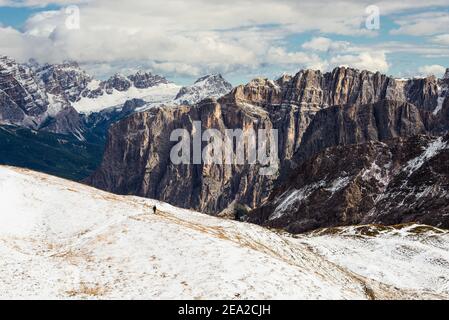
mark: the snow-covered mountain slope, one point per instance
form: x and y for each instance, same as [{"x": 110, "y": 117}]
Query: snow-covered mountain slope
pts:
[
  {"x": 156, "y": 95},
  {"x": 407, "y": 256},
  {"x": 210, "y": 86},
  {"x": 88, "y": 95},
  {"x": 59, "y": 239}
]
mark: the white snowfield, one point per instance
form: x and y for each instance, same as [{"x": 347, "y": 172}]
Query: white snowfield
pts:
[
  {"x": 63, "y": 240},
  {"x": 154, "y": 96}
]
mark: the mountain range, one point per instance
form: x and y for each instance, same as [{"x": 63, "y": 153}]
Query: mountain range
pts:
[
  {"x": 62, "y": 99},
  {"x": 354, "y": 146},
  {"x": 357, "y": 208},
  {"x": 314, "y": 113}
]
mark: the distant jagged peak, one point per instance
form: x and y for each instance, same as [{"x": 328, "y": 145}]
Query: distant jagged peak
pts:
[
  {"x": 142, "y": 73},
  {"x": 6, "y": 59},
  {"x": 208, "y": 86},
  {"x": 67, "y": 74},
  {"x": 217, "y": 77},
  {"x": 70, "y": 64},
  {"x": 8, "y": 65},
  {"x": 145, "y": 79},
  {"x": 118, "y": 75},
  {"x": 284, "y": 78},
  {"x": 118, "y": 81},
  {"x": 66, "y": 65}
]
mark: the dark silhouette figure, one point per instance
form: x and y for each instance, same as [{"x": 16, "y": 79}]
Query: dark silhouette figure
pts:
[{"x": 154, "y": 210}]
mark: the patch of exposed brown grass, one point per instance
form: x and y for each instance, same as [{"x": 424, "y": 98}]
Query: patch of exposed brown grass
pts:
[{"x": 86, "y": 289}]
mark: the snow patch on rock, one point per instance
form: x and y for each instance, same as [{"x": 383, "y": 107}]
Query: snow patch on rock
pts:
[
  {"x": 291, "y": 198},
  {"x": 431, "y": 151}
]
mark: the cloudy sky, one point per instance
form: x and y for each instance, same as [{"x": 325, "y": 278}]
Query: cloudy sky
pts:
[{"x": 241, "y": 39}]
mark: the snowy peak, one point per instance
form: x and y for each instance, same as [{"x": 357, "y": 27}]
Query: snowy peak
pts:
[
  {"x": 446, "y": 74},
  {"x": 114, "y": 92},
  {"x": 211, "y": 78},
  {"x": 210, "y": 86},
  {"x": 66, "y": 79}
]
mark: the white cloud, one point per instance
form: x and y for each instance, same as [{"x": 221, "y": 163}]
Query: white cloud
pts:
[
  {"x": 200, "y": 36},
  {"x": 325, "y": 44},
  {"x": 434, "y": 69},
  {"x": 44, "y": 23},
  {"x": 428, "y": 23},
  {"x": 372, "y": 61},
  {"x": 442, "y": 39},
  {"x": 280, "y": 56}
]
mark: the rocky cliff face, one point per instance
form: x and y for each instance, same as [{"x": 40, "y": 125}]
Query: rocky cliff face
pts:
[
  {"x": 399, "y": 181},
  {"x": 355, "y": 124},
  {"x": 137, "y": 159},
  {"x": 374, "y": 107},
  {"x": 311, "y": 91}
]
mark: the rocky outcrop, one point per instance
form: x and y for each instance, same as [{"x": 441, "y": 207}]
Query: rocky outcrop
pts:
[
  {"x": 22, "y": 98},
  {"x": 143, "y": 80},
  {"x": 311, "y": 91},
  {"x": 118, "y": 82},
  {"x": 399, "y": 181}
]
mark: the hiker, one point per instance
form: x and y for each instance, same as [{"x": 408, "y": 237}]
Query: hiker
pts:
[{"x": 154, "y": 209}]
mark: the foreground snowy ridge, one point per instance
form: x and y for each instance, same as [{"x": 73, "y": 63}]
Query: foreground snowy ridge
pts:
[{"x": 60, "y": 239}]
